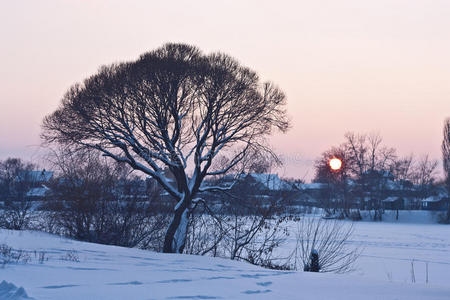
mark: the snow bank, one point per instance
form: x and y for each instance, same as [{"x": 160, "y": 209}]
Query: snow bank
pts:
[
  {"x": 109, "y": 272},
  {"x": 9, "y": 291}
]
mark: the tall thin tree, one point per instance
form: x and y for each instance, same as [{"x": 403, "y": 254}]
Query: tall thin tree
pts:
[{"x": 446, "y": 160}]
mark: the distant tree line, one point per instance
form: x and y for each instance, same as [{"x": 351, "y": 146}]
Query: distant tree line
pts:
[{"x": 369, "y": 171}]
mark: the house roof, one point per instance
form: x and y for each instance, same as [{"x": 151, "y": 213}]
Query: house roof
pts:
[
  {"x": 313, "y": 186},
  {"x": 38, "y": 192},
  {"x": 432, "y": 199},
  {"x": 391, "y": 199},
  {"x": 270, "y": 181},
  {"x": 36, "y": 176}
]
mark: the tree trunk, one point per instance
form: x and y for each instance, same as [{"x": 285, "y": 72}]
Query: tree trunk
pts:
[{"x": 175, "y": 238}]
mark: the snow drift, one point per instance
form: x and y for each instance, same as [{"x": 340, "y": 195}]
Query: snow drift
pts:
[{"x": 109, "y": 272}]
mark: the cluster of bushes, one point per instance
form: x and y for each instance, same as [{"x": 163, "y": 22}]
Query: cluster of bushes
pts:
[{"x": 91, "y": 199}]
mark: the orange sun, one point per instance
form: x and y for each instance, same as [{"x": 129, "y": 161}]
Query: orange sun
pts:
[{"x": 335, "y": 163}]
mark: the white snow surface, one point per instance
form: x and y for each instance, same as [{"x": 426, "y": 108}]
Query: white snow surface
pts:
[
  {"x": 110, "y": 272},
  {"x": 392, "y": 248}
]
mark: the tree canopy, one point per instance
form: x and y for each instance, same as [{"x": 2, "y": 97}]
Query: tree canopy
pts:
[{"x": 172, "y": 108}]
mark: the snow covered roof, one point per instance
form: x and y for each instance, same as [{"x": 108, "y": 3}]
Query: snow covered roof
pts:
[
  {"x": 38, "y": 192},
  {"x": 36, "y": 176},
  {"x": 313, "y": 186},
  {"x": 432, "y": 199},
  {"x": 391, "y": 199},
  {"x": 270, "y": 181},
  {"x": 367, "y": 199}
]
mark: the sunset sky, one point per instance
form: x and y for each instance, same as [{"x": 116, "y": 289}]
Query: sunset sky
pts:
[{"x": 351, "y": 65}]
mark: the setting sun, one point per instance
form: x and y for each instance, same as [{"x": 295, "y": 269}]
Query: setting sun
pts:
[{"x": 335, "y": 163}]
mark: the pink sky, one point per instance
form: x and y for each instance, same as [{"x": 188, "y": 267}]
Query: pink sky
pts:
[{"x": 365, "y": 66}]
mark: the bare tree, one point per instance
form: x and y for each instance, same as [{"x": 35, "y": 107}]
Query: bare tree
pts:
[
  {"x": 446, "y": 161},
  {"x": 173, "y": 108},
  {"x": 366, "y": 153},
  {"x": 424, "y": 174},
  {"x": 357, "y": 152},
  {"x": 366, "y": 161},
  {"x": 446, "y": 150},
  {"x": 402, "y": 168},
  {"x": 371, "y": 163},
  {"x": 254, "y": 230},
  {"x": 334, "y": 198},
  {"x": 323, "y": 246}
]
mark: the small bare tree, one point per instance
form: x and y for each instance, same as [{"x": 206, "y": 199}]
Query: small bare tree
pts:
[
  {"x": 173, "y": 108},
  {"x": 248, "y": 222},
  {"x": 403, "y": 168},
  {"x": 323, "y": 246},
  {"x": 424, "y": 174},
  {"x": 366, "y": 153},
  {"x": 242, "y": 225}
]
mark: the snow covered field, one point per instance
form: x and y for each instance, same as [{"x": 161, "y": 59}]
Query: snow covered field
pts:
[
  {"x": 390, "y": 246},
  {"x": 389, "y": 250},
  {"x": 109, "y": 272}
]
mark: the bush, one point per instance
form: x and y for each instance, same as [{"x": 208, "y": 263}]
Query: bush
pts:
[
  {"x": 98, "y": 201},
  {"x": 322, "y": 246},
  {"x": 16, "y": 215},
  {"x": 9, "y": 255}
]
